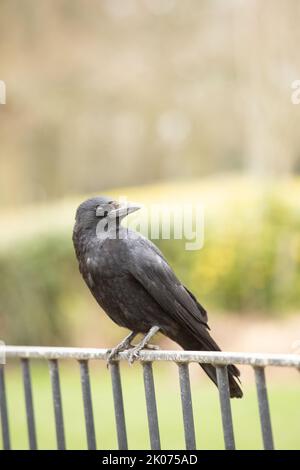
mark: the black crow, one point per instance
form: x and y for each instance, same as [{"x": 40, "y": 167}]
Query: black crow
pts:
[{"x": 136, "y": 287}]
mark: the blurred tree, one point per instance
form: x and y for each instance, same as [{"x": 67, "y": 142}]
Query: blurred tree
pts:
[{"x": 127, "y": 92}]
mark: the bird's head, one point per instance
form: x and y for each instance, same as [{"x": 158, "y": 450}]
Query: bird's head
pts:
[{"x": 102, "y": 209}]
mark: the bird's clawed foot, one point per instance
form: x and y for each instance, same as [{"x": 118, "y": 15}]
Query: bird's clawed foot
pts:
[
  {"x": 134, "y": 354},
  {"x": 135, "y": 351},
  {"x": 125, "y": 344},
  {"x": 113, "y": 352}
]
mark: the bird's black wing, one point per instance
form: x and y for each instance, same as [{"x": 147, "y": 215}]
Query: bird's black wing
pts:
[{"x": 151, "y": 270}]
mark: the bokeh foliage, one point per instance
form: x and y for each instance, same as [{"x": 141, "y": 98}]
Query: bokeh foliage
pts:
[
  {"x": 127, "y": 92},
  {"x": 250, "y": 261}
]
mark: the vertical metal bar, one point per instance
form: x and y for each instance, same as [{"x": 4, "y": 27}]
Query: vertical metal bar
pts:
[
  {"x": 151, "y": 406},
  {"x": 29, "y": 404},
  {"x": 57, "y": 404},
  {"x": 223, "y": 385},
  {"x": 3, "y": 410},
  {"x": 87, "y": 403},
  {"x": 187, "y": 407},
  {"x": 264, "y": 410},
  {"x": 119, "y": 405}
]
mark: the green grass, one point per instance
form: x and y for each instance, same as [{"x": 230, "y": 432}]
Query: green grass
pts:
[{"x": 284, "y": 402}]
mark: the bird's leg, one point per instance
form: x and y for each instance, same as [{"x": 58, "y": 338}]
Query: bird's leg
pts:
[
  {"x": 134, "y": 353},
  {"x": 125, "y": 344}
]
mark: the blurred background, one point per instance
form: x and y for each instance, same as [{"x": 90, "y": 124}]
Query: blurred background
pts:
[{"x": 158, "y": 101}]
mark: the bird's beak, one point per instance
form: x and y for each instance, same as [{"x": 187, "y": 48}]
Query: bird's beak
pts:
[{"x": 124, "y": 210}]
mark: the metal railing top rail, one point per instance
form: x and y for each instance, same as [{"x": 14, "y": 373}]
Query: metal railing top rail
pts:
[{"x": 216, "y": 358}]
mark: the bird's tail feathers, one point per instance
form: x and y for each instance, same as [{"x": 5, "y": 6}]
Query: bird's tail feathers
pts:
[{"x": 206, "y": 343}]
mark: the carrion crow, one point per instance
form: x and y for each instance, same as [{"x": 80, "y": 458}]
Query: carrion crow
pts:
[{"x": 136, "y": 287}]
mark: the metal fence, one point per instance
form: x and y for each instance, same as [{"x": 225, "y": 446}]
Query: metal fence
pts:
[{"x": 219, "y": 359}]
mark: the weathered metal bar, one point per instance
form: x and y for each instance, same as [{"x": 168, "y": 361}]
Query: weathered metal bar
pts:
[
  {"x": 264, "y": 410},
  {"x": 3, "y": 411},
  {"x": 187, "y": 407},
  {"x": 223, "y": 385},
  {"x": 206, "y": 357},
  {"x": 29, "y": 404},
  {"x": 118, "y": 405},
  {"x": 57, "y": 404},
  {"x": 87, "y": 404},
  {"x": 151, "y": 406}
]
